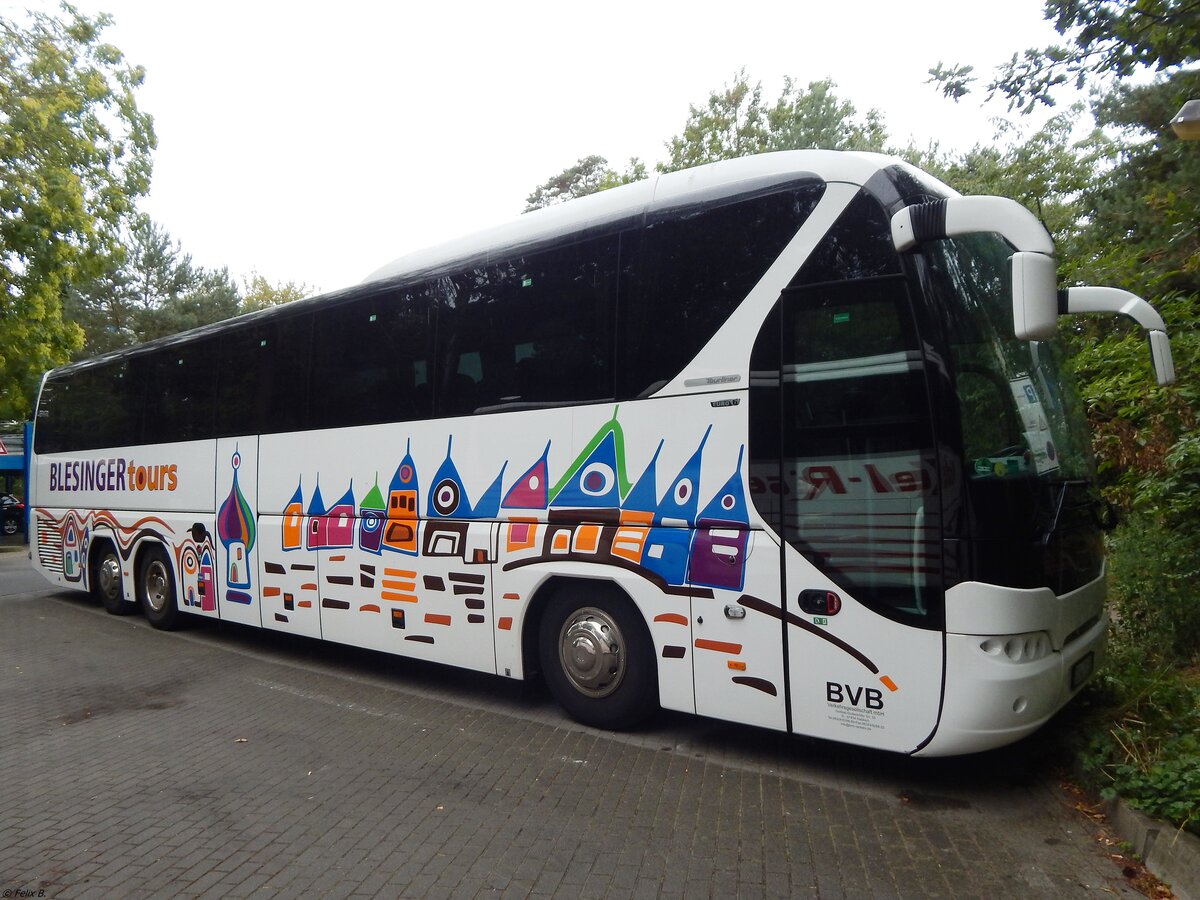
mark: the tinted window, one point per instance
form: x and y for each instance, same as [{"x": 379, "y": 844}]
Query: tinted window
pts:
[
  {"x": 288, "y": 349},
  {"x": 180, "y": 384},
  {"x": 96, "y": 407},
  {"x": 859, "y": 245},
  {"x": 529, "y": 331},
  {"x": 841, "y": 441},
  {"x": 683, "y": 275},
  {"x": 243, "y": 380},
  {"x": 371, "y": 360}
]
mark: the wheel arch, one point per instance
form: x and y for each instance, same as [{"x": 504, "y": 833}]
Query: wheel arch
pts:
[
  {"x": 101, "y": 544},
  {"x": 557, "y": 585}
]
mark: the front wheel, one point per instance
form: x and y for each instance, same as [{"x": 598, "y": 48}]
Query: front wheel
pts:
[
  {"x": 597, "y": 658},
  {"x": 156, "y": 590}
]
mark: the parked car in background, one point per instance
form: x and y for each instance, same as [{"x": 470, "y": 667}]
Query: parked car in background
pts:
[{"x": 12, "y": 514}]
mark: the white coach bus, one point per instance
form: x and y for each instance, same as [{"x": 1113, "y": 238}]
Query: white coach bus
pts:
[{"x": 783, "y": 440}]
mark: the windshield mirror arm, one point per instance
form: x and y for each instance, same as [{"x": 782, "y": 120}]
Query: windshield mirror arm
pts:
[
  {"x": 1114, "y": 301},
  {"x": 1036, "y": 302},
  {"x": 1032, "y": 270}
]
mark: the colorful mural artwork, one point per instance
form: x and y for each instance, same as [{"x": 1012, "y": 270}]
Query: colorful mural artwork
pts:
[
  {"x": 400, "y": 530},
  {"x": 63, "y": 542},
  {"x": 236, "y": 530},
  {"x": 593, "y": 513},
  {"x": 195, "y": 559}
]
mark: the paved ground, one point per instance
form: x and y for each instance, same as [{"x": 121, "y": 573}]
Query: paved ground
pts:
[{"x": 225, "y": 762}]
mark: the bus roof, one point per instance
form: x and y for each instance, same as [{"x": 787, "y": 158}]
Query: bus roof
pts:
[{"x": 717, "y": 179}]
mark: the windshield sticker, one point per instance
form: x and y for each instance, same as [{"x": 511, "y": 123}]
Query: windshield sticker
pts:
[{"x": 1036, "y": 426}]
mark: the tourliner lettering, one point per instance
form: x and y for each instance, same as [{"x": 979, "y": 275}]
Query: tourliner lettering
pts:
[{"x": 112, "y": 475}]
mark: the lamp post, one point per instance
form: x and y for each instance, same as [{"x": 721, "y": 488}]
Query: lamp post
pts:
[{"x": 1186, "y": 123}]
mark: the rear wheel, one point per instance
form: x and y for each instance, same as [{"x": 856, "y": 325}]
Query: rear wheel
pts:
[
  {"x": 156, "y": 590},
  {"x": 106, "y": 580},
  {"x": 597, "y": 658}
]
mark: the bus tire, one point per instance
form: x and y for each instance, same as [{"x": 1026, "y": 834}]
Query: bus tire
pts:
[
  {"x": 597, "y": 658},
  {"x": 156, "y": 590},
  {"x": 105, "y": 579}
]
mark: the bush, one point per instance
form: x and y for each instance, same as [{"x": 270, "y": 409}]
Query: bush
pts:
[
  {"x": 1142, "y": 740},
  {"x": 1154, "y": 570},
  {"x": 1139, "y": 723}
]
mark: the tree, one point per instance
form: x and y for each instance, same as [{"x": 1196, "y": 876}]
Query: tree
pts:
[
  {"x": 589, "y": 175},
  {"x": 1047, "y": 172},
  {"x": 735, "y": 122},
  {"x": 259, "y": 293},
  {"x": 74, "y": 157},
  {"x": 100, "y": 306},
  {"x": 152, "y": 289},
  {"x": 814, "y": 118},
  {"x": 1143, "y": 234},
  {"x": 1106, "y": 38},
  {"x": 158, "y": 274},
  {"x": 1146, "y": 224},
  {"x": 210, "y": 296}
]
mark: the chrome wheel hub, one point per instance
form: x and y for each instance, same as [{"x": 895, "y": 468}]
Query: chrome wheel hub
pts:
[
  {"x": 109, "y": 577},
  {"x": 156, "y": 585},
  {"x": 590, "y": 649}
]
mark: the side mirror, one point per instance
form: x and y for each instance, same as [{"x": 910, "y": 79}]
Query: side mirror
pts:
[
  {"x": 1034, "y": 296},
  {"x": 1115, "y": 301}
]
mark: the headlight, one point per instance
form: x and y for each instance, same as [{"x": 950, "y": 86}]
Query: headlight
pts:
[{"x": 1018, "y": 648}]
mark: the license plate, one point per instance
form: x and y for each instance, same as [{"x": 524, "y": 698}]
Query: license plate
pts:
[{"x": 1082, "y": 670}]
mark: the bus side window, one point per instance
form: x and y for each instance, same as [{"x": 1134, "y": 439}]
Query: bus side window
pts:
[
  {"x": 683, "y": 275},
  {"x": 530, "y": 330},
  {"x": 553, "y": 335},
  {"x": 289, "y": 361},
  {"x": 365, "y": 356},
  {"x": 99, "y": 406},
  {"x": 180, "y": 393},
  {"x": 243, "y": 380}
]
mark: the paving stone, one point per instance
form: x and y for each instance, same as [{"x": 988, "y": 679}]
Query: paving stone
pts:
[{"x": 227, "y": 762}]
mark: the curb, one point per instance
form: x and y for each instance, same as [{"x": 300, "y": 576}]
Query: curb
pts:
[{"x": 1169, "y": 853}]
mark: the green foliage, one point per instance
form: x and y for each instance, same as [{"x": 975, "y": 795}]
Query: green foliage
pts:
[
  {"x": 259, "y": 293},
  {"x": 813, "y": 118},
  {"x": 955, "y": 81},
  {"x": 1105, "y": 39},
  {"x": 74, "y": 157},
  {"x": 1140, "y": 430},
  {"x": 587, "y": 176},
  {"x": 209, "y": 296},
  {"x": 1047, "y": 172},
  {"x": 1154, "y": 566},
  {"x": 1143, "y": 740},
  {"x": 1145, "y": 227},
  {"x": 735, "y": 122}
]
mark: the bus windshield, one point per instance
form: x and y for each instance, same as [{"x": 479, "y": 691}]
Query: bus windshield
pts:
[
  {"x": 1018, "y": 405},
  {"x": 1026, "y": 459}
]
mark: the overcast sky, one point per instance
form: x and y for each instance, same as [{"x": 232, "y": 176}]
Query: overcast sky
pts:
[{"x": 317, "y": 142}]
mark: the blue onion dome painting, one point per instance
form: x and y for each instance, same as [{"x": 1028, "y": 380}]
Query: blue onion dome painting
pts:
[{"x": 235, "y": 528}]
